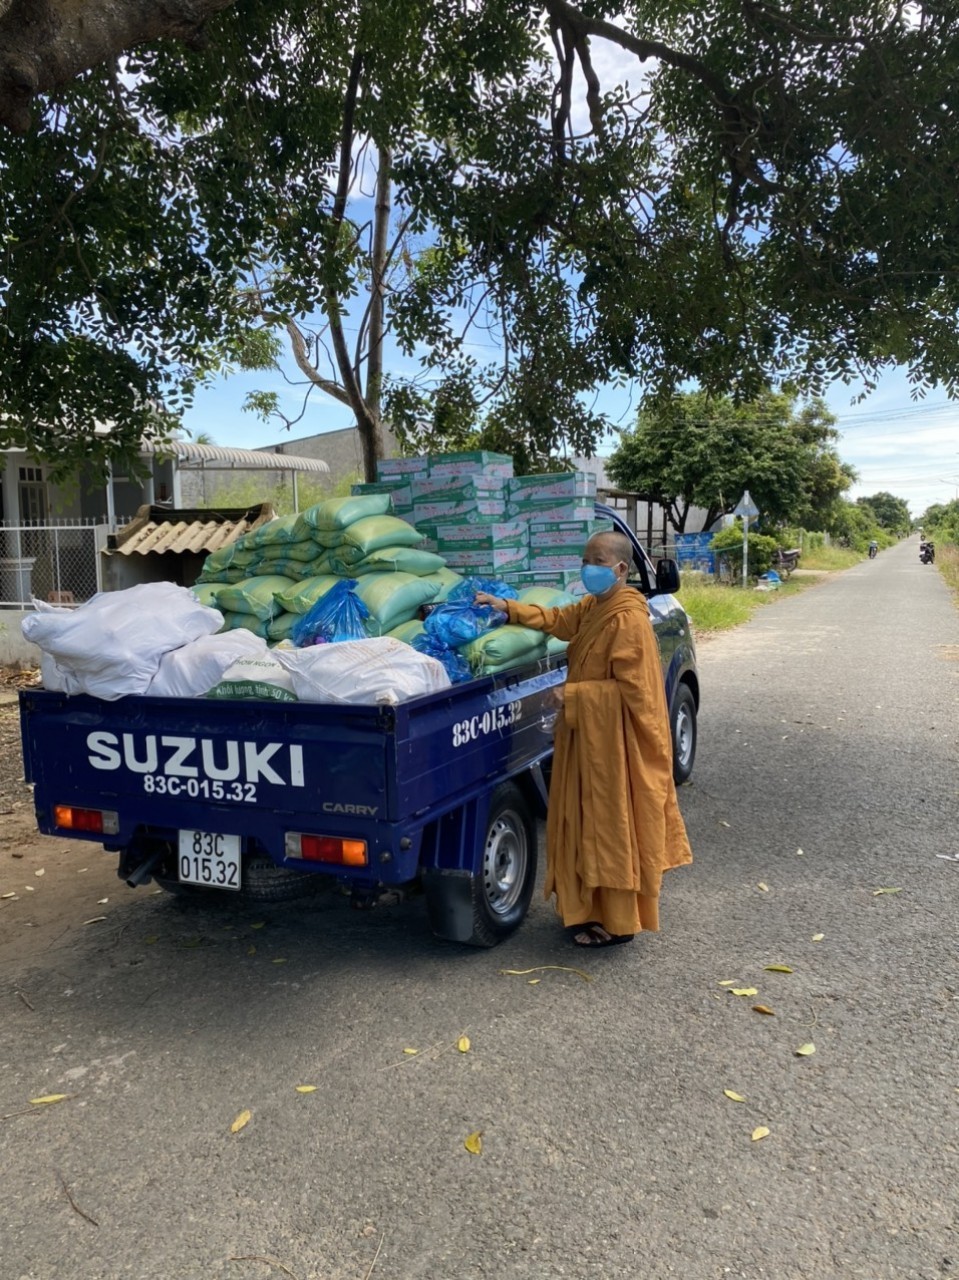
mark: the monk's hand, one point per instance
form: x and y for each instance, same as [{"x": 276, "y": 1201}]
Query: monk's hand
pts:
[
  {"x": 493, "y": 602},
  {"x": 558, "y": 693}
]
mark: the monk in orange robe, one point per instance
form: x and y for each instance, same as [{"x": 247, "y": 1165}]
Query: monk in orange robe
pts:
[{"x": 614, "y": 824}]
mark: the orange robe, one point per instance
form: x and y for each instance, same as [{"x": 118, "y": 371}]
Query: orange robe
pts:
[{"x": 614, "y": 824}]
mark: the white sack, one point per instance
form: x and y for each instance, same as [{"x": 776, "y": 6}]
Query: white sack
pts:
[
  {"x": 382, "y": 670},
  {"x": 112, "y": 645},
  {"x": 258, "y": 676},
  {"x": 192, "y": 671}
]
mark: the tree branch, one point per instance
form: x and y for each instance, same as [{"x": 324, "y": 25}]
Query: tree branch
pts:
[{"x": 44, "y": 44}]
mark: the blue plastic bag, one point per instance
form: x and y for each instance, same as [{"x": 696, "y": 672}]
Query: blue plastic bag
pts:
[
  {"x": 457, "y": 622},
  {"x": 457, "y": 668},
  {"x": 338, "y": 615},
  {"x": 465, "y": 591}
]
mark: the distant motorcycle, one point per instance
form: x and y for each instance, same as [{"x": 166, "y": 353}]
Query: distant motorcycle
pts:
[
  {"x": 927, "y": 553},
  {"x": 873, "y": 550}
]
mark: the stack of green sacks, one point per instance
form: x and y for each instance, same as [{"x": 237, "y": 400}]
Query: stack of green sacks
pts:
[
  {"x": 511, "y": 645},
  {"x": 268, "y": 578}
]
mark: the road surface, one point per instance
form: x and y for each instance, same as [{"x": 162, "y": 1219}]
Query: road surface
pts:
[{"x": 823, "y": 821}]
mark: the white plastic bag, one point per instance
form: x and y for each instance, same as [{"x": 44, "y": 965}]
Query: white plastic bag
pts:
[
  {"x": 112, "y": 645},
  {"x": 382, "y": 670},
  {"x": 193, "y": 670}
]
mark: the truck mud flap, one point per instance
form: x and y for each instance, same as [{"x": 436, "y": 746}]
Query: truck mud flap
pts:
[{"x": 449, "y": 903}]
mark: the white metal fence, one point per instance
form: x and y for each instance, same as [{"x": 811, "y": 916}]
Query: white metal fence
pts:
[{"x": 58, "y": 563}]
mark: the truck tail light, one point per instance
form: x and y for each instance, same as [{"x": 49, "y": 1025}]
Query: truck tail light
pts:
[
  {"x": 100, "y": 821},
  {"x": 335, "y": 849}
]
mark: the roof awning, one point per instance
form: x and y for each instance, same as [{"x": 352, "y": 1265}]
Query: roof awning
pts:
[
  {"x": 214, "y": 457},
  {"x": 200, "y": 531}
]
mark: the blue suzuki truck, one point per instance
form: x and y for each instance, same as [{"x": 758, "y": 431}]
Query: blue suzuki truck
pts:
[{"x": 201, "y": 795}]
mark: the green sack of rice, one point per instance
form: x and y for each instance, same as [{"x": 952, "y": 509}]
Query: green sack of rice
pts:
[
  {"x": 504, "y": 645},
  {"x": 280, "y": 628},
  {"x": 546, "y": 597},
  {"x": 392, "y": 598},
  {"x": 223, "y": 577},
  {"x": 256, "y": 596},
  {"x": 294, "y": 570},
  {"x": 386, "y": 560},
  {"x": 374, "y": 532},
  {"x": 300, "y": 597},
  {"x": 446, "y": 580},
  {"x": 282, "y": 530},
  {"x": 408, "y": 631},
  {"x": 308, "y": 549},
  {"x": 206, "y": 593},
  {"x": 336, "y": 514},
  {"x": 245, "y": 620}
]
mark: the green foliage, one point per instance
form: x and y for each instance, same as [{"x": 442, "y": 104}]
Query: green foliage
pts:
[
  {"x": 940, "y": 522},
  {"x": 276, "y": 488},
  {"x": 703, "y": 452},
  {"x": 889, "y": 512},
  {"x": 775, "y": 206},
  {"x": 759, "y": 553}
]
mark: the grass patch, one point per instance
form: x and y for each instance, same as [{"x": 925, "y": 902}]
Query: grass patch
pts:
[
  {"x": 716, "y": 607},
  {"x": 829, "y": 558},
  {"x": 947, "y": 560}
]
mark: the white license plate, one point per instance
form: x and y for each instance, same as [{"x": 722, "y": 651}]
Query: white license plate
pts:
[{"x": 210, "y": 859}]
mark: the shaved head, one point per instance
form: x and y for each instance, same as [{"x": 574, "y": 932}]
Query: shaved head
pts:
[{"x": 614, "y": 544}]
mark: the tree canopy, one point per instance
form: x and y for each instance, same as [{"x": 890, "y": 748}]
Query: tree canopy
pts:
[
  {"x": 891, "y": 513},
  {"x": 699, "y": 452},
  {"x": 758, "y": 194}
]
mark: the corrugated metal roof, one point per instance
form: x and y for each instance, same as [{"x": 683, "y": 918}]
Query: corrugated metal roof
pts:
[
  {"x": 159, "y": 531},
  {"x": 214, "y": 457}
]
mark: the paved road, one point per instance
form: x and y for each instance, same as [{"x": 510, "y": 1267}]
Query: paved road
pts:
[{"x": 827, "y": 771}]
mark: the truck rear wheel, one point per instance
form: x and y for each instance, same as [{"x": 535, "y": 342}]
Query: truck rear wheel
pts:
[{"x": 502, "y": 889}]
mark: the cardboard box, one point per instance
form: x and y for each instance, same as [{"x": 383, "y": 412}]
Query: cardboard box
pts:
[
  {"x": 479, "y": 460},
  {"x": 462, "y": 511},
  {"x": 398, "y": 490},
  {"x": 561, "y": 580},
  {"x": 481, "y": 537},
  {"x": 554, "y": 560},
  {"x": 553, "y": 486},
  {"x": 487, "y": 563},
  {"x": 453, "y": 488},
  {"x": 555, "y": 509},
  {"x": 391, "y": 468},
  {"x": 566, "y": 534}
]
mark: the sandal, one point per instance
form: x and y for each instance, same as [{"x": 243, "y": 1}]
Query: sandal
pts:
[{"x": 594, "y": 935}]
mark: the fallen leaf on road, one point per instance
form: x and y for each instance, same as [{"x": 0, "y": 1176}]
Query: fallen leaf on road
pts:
[
  {"x": 94, "y": 920},
  {"x": 534, "y": 982},
  {"x": 724, "y": 824},
  {"x": 251, "y": 951},
  {"x": 744, "y": 991},
  {"x": 877, "y": 892},
  {"x": 280, "y": 960},
  {"x": 759, "y": 1133},
  {"x": 805, "y": 1051},
  {"x": 539, "y": 968},
  {"x": 761, "y": 1008},
  {"x": 40, "y": 872},
  {"x": 242, "y": 1120},
  {"x": 11, "y": 894},
  {"x": 762, "y": 885},
  {"x": 48, "y": 1098},
  {"x": 463, "y": 1044},
  {"x": 411, "y": 1051},
  {"x": 151, "y": 940},
  {"x": 259, "y": 924},
  {"x": 727, "y": 982},
  {"x": 474, "y": 1143},
  {"x": 799, "y": 853},
  {"x": 29, "y": 888},
  {"x": 733, "y": 1097},
  {"x": 818, "y": 937},
  {"x": 778, "y": 968},
  {"x": 306, "y": 1088},
  {"x": 102, "y": 901}
]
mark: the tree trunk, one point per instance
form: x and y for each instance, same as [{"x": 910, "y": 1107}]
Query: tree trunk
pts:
[{"x": 46, "y": 43}]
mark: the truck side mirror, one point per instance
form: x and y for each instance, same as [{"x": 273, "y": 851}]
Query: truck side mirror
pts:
[{"x": 667, "y": 577}]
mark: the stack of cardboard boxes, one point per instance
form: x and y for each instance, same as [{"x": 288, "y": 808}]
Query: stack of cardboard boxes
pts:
[{"x": 486, "y": 522}]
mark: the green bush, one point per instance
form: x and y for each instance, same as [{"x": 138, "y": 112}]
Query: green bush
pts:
[{"x": 760, "y": 553}]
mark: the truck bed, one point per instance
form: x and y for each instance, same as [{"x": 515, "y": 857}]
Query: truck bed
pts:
[{"x": 262, "y": 769}]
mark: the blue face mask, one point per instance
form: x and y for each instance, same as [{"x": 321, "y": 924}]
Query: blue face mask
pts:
[{"x": 597, "y": 578}]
